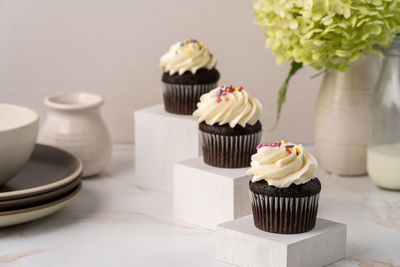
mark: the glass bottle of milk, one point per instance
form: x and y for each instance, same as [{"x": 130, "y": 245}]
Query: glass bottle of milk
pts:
[{"x": 383, "y": 159}]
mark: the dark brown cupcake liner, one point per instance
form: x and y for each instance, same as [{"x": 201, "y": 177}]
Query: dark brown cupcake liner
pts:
[
  {"x": 183, "y": 98},
  {"x": 226, "y": 151},
  {"x": 284, "y": 215}
]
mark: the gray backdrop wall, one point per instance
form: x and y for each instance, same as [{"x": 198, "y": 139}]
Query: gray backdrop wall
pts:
[{"x": 112, "y": 47}]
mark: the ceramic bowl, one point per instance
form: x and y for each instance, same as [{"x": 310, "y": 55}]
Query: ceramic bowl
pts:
[{"x": 18, "y": 132}]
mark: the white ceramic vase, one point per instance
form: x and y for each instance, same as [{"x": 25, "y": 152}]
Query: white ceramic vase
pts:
[
  {"x": 341, "y": 123},
  {"x": 74, "y": 124}
]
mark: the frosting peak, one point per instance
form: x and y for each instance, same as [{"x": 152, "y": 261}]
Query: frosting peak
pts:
[
  {"x": 228, "y": 104},
  {"x": 282, "y": 164},
  {"x": 189, "y": 55}
]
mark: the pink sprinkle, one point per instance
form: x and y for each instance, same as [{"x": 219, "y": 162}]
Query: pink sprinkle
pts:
[
  {"x": 272, "y": 144},
  {"x": 261, "y": 145}
]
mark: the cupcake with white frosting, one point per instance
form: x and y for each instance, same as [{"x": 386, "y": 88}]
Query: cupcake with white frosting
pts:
[
  {"x": 284, "y": 190},
  {"x": 229, "y": 124},
  {"x": 188, "y": 72}
]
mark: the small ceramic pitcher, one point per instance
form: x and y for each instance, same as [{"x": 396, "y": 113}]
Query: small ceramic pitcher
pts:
[{"x": 74, "y": 124}]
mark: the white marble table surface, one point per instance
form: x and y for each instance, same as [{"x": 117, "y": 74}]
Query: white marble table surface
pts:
[{"x": 113, "y": 222}]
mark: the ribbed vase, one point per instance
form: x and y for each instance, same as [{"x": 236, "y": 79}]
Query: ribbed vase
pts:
[
  {"x": 74, "y": 124},
  {"x": 342, "y": 117}
]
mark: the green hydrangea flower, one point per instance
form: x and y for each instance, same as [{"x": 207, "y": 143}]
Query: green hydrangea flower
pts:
[{"x": 326, "y": 34}]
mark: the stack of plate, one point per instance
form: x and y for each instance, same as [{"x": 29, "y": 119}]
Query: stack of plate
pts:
[{"x": 48, "y": 182}]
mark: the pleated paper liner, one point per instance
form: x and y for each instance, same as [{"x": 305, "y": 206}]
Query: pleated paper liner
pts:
[
  {"x": 229, "y": 151},
  {"x": 284, "y": 215},
  {"x": 182, "y": 99}
]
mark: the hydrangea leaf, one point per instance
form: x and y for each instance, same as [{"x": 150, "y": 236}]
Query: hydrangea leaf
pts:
[{"x": 294, "y": 67}]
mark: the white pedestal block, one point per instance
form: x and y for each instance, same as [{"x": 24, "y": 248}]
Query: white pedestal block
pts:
[
  {"x": 161, "y": 139},
  {"x": 240, "y": 243},
  {"x": 207, "y": 196}
]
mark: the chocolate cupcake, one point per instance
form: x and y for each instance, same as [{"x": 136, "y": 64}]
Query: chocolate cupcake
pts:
[
  {"x": 284, "y": 191},
  {"x": 229, "y": 126},
  {"x": 189, "y": 71}
]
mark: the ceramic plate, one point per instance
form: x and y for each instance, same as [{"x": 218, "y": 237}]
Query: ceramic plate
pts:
[
  {"x": 14, "y": 217},
  {"x": 30, "y": 201},
  {"x": 48, "y": 168}
]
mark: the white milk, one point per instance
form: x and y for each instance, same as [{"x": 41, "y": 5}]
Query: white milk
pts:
[{"x": 383, "y": 164}]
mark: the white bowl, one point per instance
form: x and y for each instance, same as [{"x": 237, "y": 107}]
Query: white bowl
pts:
[{"x": 18, "y": 132}]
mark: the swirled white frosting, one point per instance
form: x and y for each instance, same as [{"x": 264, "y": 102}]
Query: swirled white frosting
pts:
[
  {"x": 282, "y": 164},
  {"x": 189, "y": 55},
  {"x": 228, "y": 104}
]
